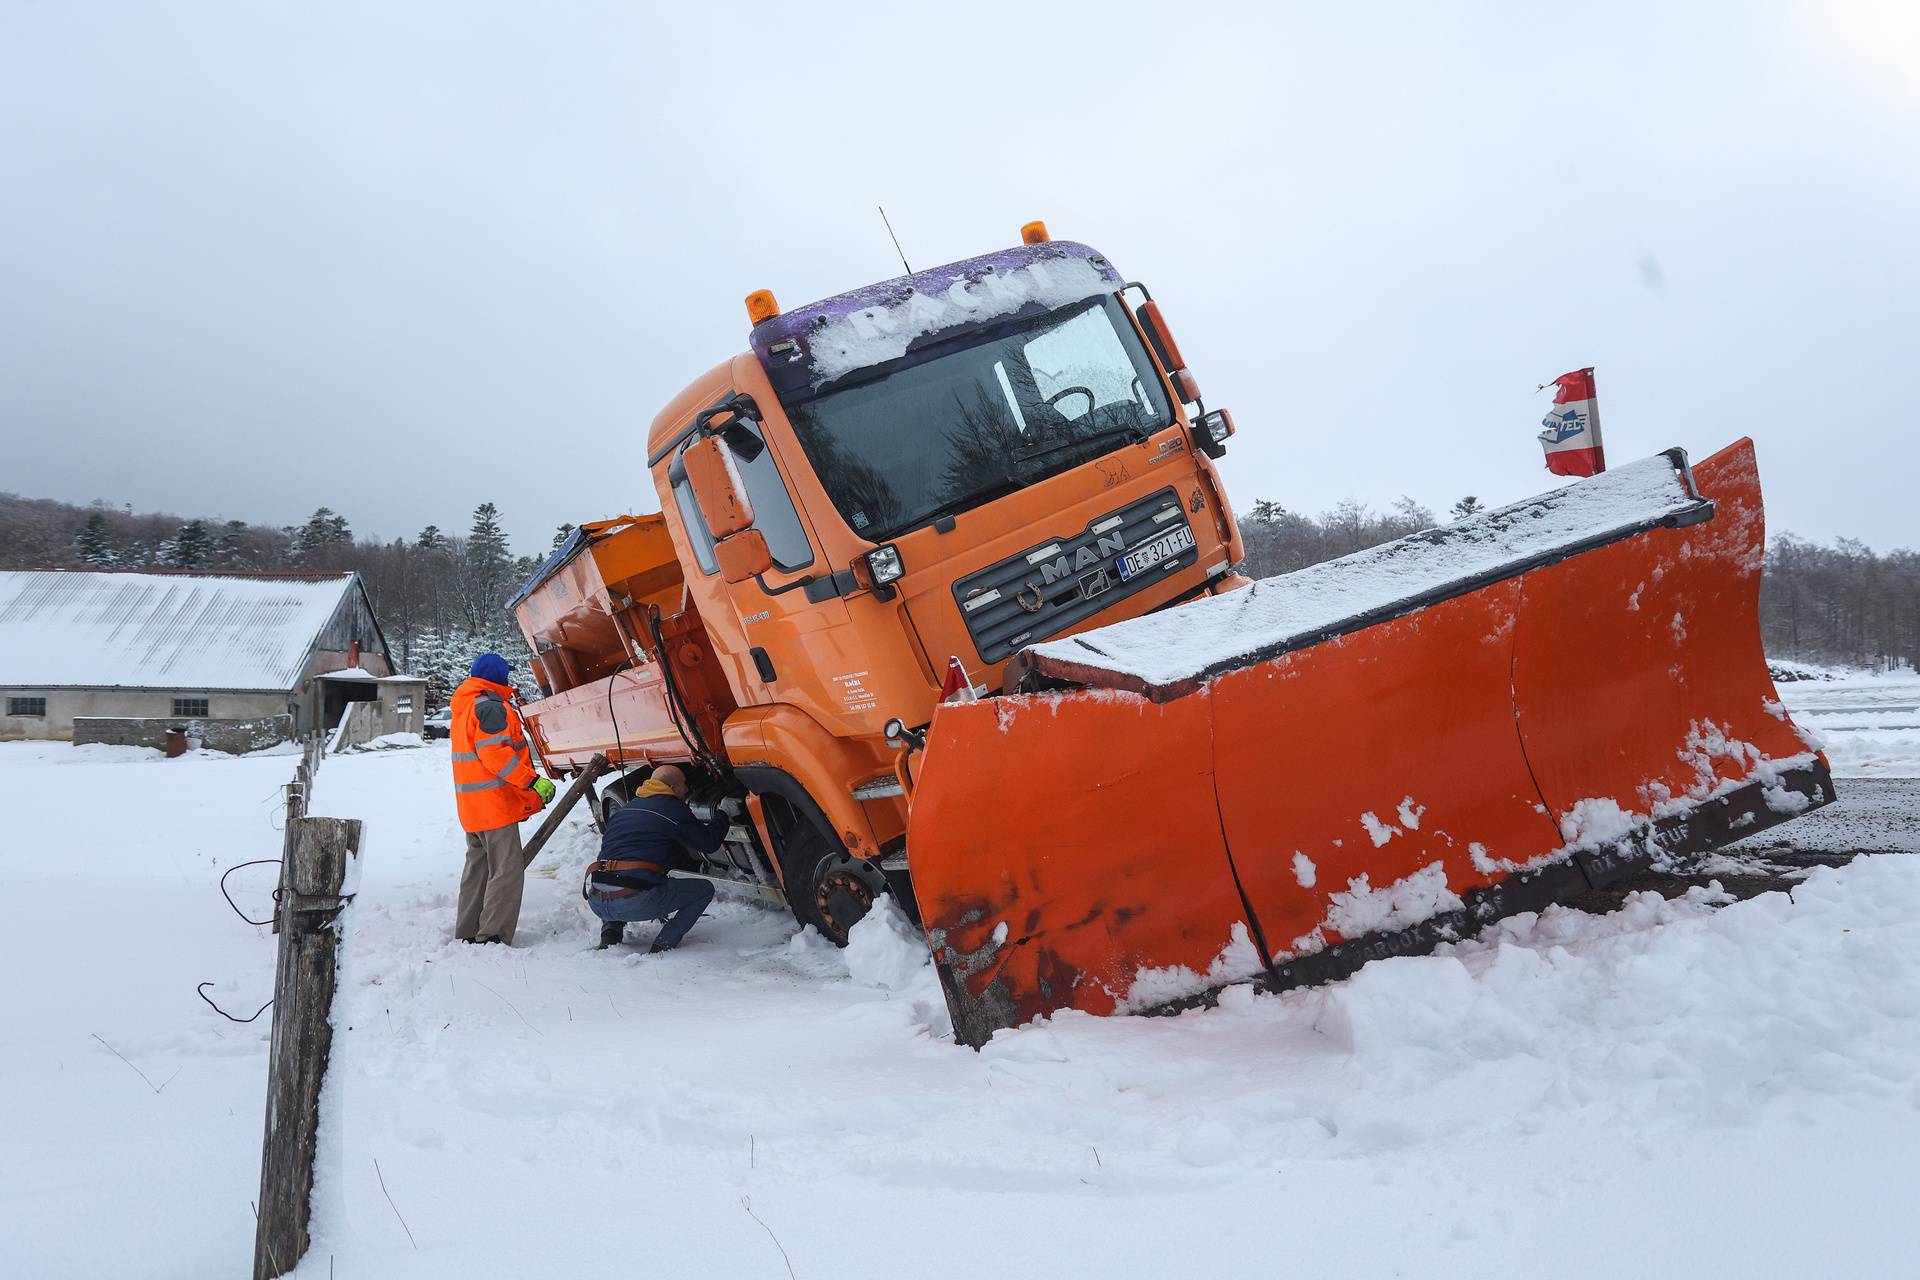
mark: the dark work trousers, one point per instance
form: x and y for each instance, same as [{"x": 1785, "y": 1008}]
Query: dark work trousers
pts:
[{"x": 678, "y": 901}]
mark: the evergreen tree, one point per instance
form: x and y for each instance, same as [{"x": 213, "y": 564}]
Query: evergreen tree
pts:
[
  {"x": 1467, "y": 506},
  {"x": 230, "y": 550},
  {"x": 322, "y": 530},
  {"x": 431, "y": 539},
  {"x": 489, "y": 569},
  {"x": 94, "y": 543},
  {"x": 561, "y": 534},
  {"x": 191, "y": 547}
]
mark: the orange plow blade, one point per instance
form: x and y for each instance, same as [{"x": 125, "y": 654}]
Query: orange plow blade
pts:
[{"x": 1365, "y": 758}]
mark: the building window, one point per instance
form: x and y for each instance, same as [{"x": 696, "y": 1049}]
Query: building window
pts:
[
  {"x": 190, "y": 707},
  {"x": 26, "y": 706}
]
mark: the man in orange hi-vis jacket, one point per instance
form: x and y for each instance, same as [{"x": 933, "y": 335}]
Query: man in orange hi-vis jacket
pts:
[{"x": 496, "y": 788}]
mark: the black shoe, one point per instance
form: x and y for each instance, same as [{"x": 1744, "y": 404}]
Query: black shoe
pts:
[
  {"x": 658, "y": 947},
  {"x": 611, "y": 937},
  {"x": 492, "y": 937}
]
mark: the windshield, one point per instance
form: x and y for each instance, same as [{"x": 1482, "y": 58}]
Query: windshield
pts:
[{"x": 939, "y": 435}]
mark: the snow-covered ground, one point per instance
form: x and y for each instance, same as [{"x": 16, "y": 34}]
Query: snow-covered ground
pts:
[
  {"x": 1870, "y": 723},
  {"x": 1671, "y": 1090}
]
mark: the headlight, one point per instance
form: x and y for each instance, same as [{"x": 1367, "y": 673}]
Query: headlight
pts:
[
  {"x": 883, "y": 565},
  {"x": 1211, "y": 432}
]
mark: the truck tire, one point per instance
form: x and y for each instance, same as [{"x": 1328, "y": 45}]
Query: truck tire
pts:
[{"x": 826, "y": 887}]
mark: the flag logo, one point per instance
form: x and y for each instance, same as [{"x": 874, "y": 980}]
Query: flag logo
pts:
[
  {"x": 1562, "y": 427},
  {"x": 1572, "y": 436}
]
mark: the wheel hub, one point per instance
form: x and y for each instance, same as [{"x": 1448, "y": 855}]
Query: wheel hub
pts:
[{"x": 843, "y": 893}]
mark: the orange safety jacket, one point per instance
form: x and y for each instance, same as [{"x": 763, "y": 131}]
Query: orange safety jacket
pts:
[{"x": 492, "y": 770}]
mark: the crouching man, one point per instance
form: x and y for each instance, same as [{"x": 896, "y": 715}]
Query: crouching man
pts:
[{"x": 651, "y": 835}]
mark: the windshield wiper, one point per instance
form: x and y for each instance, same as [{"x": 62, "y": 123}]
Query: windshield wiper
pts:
[
  {"x": 987, "y": 494},
  {"x": 1058, "y": 446}
]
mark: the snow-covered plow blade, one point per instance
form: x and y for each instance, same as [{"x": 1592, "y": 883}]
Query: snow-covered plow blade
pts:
[{"x": 1363, "y": 758}]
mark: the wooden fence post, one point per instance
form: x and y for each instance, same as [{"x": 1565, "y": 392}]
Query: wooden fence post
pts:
[{"x": 317, "y": 855}]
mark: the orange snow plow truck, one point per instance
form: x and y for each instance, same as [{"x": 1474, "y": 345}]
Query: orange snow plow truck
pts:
[{"x": 941, "y": 601}]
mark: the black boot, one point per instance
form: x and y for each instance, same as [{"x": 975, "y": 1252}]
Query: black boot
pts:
[
  {"x": 658, "y": 947},
  {"x": 611, "y": 935}
]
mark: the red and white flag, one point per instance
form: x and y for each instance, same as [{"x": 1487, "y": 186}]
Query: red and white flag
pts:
[{"x": 1572, "y": 435}]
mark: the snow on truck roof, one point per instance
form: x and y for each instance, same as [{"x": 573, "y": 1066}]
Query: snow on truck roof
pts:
[
  {"x": 64, "y": 628},
  {"x": 812, "y": 345},
  {"x": 1164, "y": 654}
]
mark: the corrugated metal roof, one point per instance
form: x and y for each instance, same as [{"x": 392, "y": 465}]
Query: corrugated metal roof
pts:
[{"x": 160, "y": 630}]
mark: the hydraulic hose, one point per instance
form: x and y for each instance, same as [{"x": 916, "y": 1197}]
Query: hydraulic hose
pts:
[{"x": 683, "y": 719}]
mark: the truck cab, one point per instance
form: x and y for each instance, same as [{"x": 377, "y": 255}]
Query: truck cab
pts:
[{"x": 921, "y": 477}]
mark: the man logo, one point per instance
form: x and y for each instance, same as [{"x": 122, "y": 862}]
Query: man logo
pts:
[{"x": 1062, "y": 567}]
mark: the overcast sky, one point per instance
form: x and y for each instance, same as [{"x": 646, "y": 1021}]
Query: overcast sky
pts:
[{"x": 401, "y": 258}]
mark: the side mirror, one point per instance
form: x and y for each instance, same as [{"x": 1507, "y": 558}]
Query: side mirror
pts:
[
  {"x": 1159, "y": 337},
  {"x": 1185, "y": 385},
  {"x": 717, "y": 488},
  {"x": 744, "y": 555}
]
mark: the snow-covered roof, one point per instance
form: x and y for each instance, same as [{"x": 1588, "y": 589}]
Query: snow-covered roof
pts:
[
  {"x": 361, "y": 673},
  {"x": 161, "y": 630}
]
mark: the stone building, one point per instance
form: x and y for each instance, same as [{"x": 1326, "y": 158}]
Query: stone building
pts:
[{"x": 235, "y": 660}]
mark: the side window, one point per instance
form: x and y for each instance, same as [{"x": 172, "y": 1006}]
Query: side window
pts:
[{"x": 773, "y": 512}]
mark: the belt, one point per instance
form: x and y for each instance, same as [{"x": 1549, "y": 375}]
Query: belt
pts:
[
  {"x": 625, "y": 864},
  {"x": 615, "y": 866}
]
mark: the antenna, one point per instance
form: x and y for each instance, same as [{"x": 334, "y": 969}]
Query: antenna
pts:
[{"x": 896, "y": 239}]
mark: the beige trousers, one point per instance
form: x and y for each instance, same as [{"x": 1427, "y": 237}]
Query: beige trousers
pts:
[{"x": 490, "y": 885}]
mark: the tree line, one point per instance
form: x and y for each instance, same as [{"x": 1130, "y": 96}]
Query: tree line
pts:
[
  {"x": 439, "y": 596},
  {"x": 1837, "y": 603}
]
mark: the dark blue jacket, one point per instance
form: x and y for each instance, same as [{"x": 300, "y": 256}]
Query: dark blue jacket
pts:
[{"x": 657, "y": 828}]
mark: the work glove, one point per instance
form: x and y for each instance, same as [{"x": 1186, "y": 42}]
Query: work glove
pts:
[{"x": 545, "y": 790}]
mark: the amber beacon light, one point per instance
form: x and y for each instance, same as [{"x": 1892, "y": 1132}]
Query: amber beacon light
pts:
[
  {"x": 761, "y": 306},
  {"x": 1034, "y": 233}
]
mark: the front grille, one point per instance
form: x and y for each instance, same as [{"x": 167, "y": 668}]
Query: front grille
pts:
[{"x": 1056, "y": 584}]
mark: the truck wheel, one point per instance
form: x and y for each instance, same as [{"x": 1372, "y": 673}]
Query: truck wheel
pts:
[
  {"x": 611, "y": 802},
  {"x": 826, "y": 887}
]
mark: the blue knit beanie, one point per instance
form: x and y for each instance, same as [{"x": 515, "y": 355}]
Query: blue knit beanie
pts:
[{"x": 490, "y": 666}]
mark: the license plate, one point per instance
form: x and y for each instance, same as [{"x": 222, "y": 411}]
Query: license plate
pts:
[{"x": 1161, "y": 549}]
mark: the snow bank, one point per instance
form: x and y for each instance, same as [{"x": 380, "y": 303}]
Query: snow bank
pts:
[
  {"x": 1593, "y": 1072},
  {"x": 110, "y": 915},
  {"x": 888, "y": 952},
  {"x": 1868, "y": 723},
  {"x": 1271, "y": 615},
  {"x": 389, "y": 742}
]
